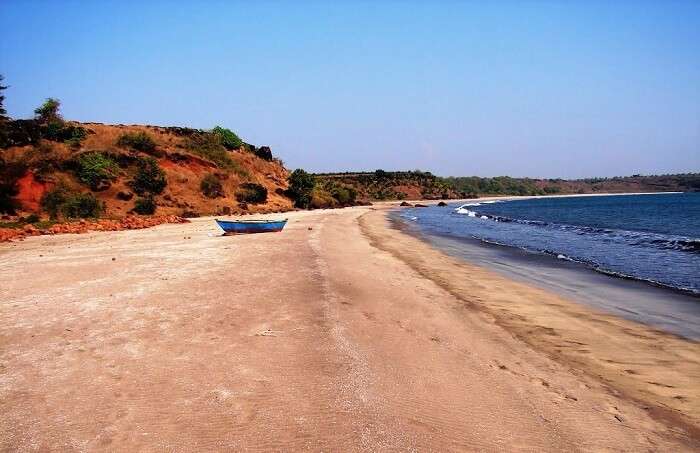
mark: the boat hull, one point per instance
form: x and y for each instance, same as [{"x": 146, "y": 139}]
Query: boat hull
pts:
[{"x": 251, "y": 226}]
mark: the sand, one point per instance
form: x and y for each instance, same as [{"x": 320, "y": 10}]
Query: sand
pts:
[{"x": 338, "y": 334}]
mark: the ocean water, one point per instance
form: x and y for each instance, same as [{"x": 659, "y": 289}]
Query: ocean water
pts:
[{"x": 636, "y": 255}]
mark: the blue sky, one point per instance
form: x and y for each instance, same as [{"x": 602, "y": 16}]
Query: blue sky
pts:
[{"x": 541, "y": 89}]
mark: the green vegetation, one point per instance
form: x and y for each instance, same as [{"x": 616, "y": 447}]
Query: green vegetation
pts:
[
  {"x": 3, "y": 112},
  {"x": 385, "y": 185},
  {"x": 227, "y": 138},
  {"x": 335, "y": 192},
  {"x": 251, "y": 193},
  {"x": 149, "y": 177},
  {"x": 211, "y": 186},
  {"x": 48, "y": 112},
  {"x": 51, "y": 125},
  {"x": 10, "y": 172},
  {"x": 96, "y": 170},
  {"x": 63, "y": 202},
  {"x": 145, "y": 205},
  {"x": 208, "y": 146},
  {"x": 301, "y": 184},
  {"x": 140, "y": 141}
]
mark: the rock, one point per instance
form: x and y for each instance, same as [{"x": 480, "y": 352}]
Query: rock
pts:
[
  {"x": 243, "y": 206},
  {"x": 125, "y": 195},
  {"x": 226, "y": 210},
  {"x": 189, "y": 214},
  {"x": 405, "y": 203},
  {"x": 442, "y": 204},
  {"x": 418, "y": 205},
  {"x": 101, "y": 185}
]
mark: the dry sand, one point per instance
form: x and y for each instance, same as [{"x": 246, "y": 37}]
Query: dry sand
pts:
[{"x": 349, "y": 336}]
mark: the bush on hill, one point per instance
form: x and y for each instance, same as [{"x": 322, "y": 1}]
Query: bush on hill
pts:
[
  {"x": 9, "y": 174},
  {"x": 139, "y": 141},
  {"x": 227, "y": 138},
  {"x": 149, "y": 177},
  {"x": 208, "y": 146},
  {"x": 96, "y": 170},
  {"x": 63, "y": 202},
  {"x": 47, "y": 124},
  {"x": 145, "y": 205},
  {"x": 211, "y": 186},
  {"x": 251, "y": 193}
]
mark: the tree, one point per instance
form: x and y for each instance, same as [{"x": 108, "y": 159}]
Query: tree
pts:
[
  {"x": 3, "y": 112},
  {"x": 48, "y": 112},
  {"x": 301, "y": 184}
]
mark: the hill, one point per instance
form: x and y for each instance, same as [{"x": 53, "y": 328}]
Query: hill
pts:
[
  {"x": 392, "y": 185},
  {"x": 414, "y": 185},
  {"x": 64, "y": 169}
]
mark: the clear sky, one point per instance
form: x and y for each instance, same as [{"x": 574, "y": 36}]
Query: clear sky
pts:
[{"x": 542, "y": 89}]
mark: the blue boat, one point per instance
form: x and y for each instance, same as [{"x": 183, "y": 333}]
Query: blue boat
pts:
[{"x": 251, "y": 226}]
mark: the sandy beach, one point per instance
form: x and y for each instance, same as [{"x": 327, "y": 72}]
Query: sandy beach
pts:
[{"x": 339, "y": 334}]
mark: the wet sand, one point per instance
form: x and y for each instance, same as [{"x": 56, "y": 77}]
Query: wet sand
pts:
[
  {"x": 663, "y": 308},
  {"x": 338, "y": 334}
]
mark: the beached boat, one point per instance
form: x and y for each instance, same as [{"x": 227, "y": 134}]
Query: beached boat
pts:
[{"x": 251, "y": 226}]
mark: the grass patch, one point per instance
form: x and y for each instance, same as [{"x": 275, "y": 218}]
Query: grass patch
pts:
[{"x": 140, "y": 141}]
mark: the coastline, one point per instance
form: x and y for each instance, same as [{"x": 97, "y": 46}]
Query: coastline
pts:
[
  {"x": 649, "y": 365},
  {"x": 667, "y": 308},
  {"x": 339, "y": 333}
]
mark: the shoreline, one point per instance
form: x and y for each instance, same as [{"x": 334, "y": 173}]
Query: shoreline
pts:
[
  {"x": 574, "y": 280},
  {"x": 174, "y": 336},
  {"x": 655, "y": 367}
]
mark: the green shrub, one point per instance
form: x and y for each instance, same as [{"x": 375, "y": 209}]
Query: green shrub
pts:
[
  {"x": 20, "y": 133},
  {"x": 208, "y": 146},
  {"x": 346, "y": 196},
  {"x": 251, "y": 193},
  {"x": 211, "y": 186},
  {"x": 81, "y": 205},
  {"x": 68, "y": 204},
  {"x": 48, "y": 112},
  {"x": 140, "y": 141},
  {"x": 145, "y": 205},
  {"x": 76, "y": 135},
  {"x": 322, "y": 199},
  {"x": 10, "y": 172},
  {"x": 301, "y": 184},
  {"x": 149, "y": 177},
  {"x": 32, "y": 218},
  {"x": 96, "y": 170},
  {"x": 227, "y": 138}
]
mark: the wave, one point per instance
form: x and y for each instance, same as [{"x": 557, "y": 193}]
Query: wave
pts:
[
  {"x": 634, "y": 238},
  {"x": 596, "y": 267}
]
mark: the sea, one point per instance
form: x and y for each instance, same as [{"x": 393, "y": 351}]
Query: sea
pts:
[{"x": 637, "y": 256}]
